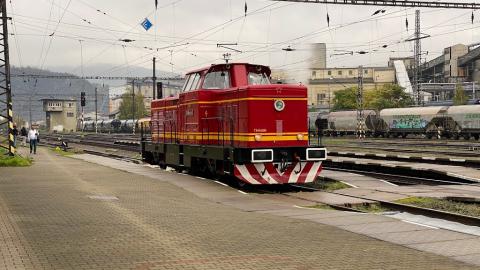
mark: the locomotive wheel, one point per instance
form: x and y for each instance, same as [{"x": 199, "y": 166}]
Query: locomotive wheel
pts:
[
  {"x": 455, "y": 136},
  {"x": 476, "y": 136},
  {"x": 466, "y": 137}
]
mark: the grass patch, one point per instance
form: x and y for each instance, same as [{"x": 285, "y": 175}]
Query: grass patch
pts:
[
  {"x": 60, "y": 152},
  {"x": 15, "y": 161},
  {"x": 71, "y": 151},
  {"x": 321, "y": 206},
  {"x": 370, "y": 208},
  {"x": 468, "y": 209},
  {"x": 328, "y": 185}
]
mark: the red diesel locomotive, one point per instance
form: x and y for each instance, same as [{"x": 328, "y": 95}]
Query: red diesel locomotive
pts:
[{"x": 230, "y": 119}]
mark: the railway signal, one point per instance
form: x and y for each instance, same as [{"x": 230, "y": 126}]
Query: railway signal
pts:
[
  {"x": 82, "y": 99},
  {"x": 82, "y": 105}
]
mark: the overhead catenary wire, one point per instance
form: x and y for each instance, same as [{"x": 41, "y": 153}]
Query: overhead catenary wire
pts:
[{"x": 187, "y": 50}]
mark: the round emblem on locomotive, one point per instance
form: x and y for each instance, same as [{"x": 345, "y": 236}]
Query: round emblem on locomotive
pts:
[{"x": 279, "y": 105}]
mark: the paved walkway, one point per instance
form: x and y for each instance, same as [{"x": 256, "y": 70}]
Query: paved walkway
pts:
[{"x": 64, "y": 213}]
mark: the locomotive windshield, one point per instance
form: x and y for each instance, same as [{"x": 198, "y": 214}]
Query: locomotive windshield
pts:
[
  {"x": 217, "y": 80},
  {"x": 258, "y": 78}
]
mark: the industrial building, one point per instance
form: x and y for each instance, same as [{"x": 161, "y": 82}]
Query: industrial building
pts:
[
  {"x": 61, "y": 114},
  {"x": 459, "y": 64},
  {"x": 325, "y": 82}
]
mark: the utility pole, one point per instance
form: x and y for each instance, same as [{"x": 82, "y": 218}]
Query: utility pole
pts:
[
  {"x": 154, "y": 79},
  {"x": 133, "y": 105},
  {"x": 5, "y": 84},
  {"x": 360, "y": 116},
  {"x": 417, "y": 55},
  {"x": 96, "y": 112}
]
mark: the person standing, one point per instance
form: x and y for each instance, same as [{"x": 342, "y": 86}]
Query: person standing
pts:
[
  {"x": 15, "y": 135},
  {"x": 33, "y": 136},
  {"x": 24, "y": 134}
]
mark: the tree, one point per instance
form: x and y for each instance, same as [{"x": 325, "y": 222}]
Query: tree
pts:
[
  {"x": 388, "y": 96},
  {"x": 126, "y": 110},
  {"x": 460, "y": 97},
  {"x": 345, "y": 99}
]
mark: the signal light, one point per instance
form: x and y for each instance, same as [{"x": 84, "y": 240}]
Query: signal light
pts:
[{"x": 82, "y": 99}]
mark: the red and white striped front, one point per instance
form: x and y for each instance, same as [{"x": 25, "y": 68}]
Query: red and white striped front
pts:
[{"x": 267, "y": 174}]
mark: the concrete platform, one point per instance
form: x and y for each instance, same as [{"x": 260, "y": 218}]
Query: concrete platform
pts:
[{"x": 65, "y": 213}]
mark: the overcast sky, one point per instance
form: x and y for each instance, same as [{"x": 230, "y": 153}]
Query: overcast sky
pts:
[{"x": 187, "y": 32}]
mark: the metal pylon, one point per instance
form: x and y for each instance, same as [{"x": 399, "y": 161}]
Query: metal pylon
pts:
[
  {"x": 417, "y": 51},
  {"x": 6, "y": 106}
]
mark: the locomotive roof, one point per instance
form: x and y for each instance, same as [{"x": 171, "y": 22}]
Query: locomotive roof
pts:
[{"x": 204, "y": 69}]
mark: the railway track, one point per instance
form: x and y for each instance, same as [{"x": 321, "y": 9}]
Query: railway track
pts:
[
  {"x": 99, "y": 141},
  {"x": 469, "y": 146},
  {"x": 409, "y": 151}
]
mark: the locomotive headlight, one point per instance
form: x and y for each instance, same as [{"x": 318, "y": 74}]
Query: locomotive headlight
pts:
[
  {"x": 258, "y": 137},
  {"x": 316, "y": 154},
  {"x": 299, "y": 136}
]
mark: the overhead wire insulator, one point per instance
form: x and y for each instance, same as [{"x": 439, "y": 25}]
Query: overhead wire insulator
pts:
[
  {"x": 288, "y": 49},
  {"x": 246, "y": 8},
  {"x": 328, "y": 20}
]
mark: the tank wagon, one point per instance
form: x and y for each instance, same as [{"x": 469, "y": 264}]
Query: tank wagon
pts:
[
  {"x": 405, "y": 121},
  {"x": 345, "y": 122},
  {"x": 432, "y": 122},
  {"x": 463, "y": 121},
  {"x": 103, "y": 126},
  {"x": 230, "y": 120}
]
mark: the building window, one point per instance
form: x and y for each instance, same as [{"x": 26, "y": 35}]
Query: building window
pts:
[
  {"x": 366, "y": 71},
  {"x": 321, "y": 96},
  {"x": 314, "y": 74},
  {"x": 339, "y": 72},
  {"x": 69, "y": 114},
  {"x": 329, "y": 72},
  {"x": 350, "y": 72}
]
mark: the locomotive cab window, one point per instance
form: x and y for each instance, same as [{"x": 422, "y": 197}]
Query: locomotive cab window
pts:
[
  {"x": 257, "y": 78},
  {"x": 192, "y": 82},
  {"x": 188, "y": 82},
  {"x": 217, "y": 80},
  {"x": 195, "y": 82}
]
